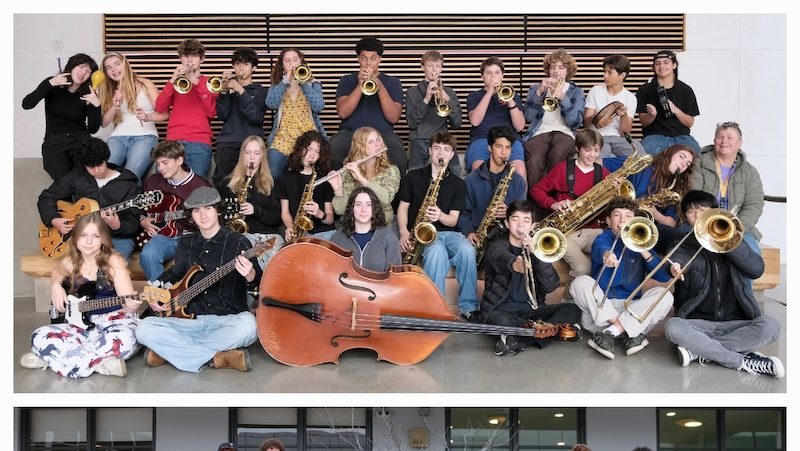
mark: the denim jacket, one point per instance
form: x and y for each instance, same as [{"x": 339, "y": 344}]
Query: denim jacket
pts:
[{"x": 572, "y": 106}]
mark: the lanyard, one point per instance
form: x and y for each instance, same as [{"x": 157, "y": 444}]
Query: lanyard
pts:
[{"x": 723, "y": 182}]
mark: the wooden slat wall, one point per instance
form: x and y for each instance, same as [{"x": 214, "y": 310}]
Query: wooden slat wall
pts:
[{"x": 328, "y": 41}]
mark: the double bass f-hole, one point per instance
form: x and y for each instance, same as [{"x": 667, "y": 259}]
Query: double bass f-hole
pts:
[{"x": 344, "y": 275}]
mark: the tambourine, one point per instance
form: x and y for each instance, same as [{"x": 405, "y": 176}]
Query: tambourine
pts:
[{"x": 606, "y": 115}]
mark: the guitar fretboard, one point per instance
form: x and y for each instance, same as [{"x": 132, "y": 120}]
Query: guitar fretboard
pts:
[
  {"x": 97, "y": 304},
  {"x": 182, "y": 299}
]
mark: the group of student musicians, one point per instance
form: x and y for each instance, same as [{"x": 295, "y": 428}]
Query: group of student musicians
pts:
[{"x": 373, "y": 203}]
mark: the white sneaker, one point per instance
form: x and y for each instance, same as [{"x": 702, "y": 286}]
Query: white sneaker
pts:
[
  {"x": 112, "y": 367},
  {"x": 32, "y": 361}
]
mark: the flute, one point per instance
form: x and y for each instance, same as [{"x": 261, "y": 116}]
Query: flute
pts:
[{"x": 339, "y": 171}]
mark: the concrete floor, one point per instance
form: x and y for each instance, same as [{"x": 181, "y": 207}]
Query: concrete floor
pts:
[{"x": 463, "y": 363}]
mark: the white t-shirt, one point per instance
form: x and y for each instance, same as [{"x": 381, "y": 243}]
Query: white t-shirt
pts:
[{"x": 599, "y": 97}]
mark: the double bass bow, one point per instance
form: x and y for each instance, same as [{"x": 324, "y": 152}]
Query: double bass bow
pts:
[{"x": 311, "y": 316}]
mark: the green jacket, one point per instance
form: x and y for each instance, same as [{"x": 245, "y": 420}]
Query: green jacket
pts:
[{"x": 745, "y": 190}]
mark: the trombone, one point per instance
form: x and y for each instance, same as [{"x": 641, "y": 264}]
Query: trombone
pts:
[
  {"x": 639, "y": 235},
  {"x": 548, "y": 244},
  {"x": 302, "y": 73},
  {"x": 717, "y": 230}
]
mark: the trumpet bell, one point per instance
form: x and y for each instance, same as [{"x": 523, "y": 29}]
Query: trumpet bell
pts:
[
  {"x": 505, "y": 93},
  {"x": 214, "y": 84},
  {"x": 369, "y": 87},
  {"x": 425, "y": 233},
  {"x": 443, "y": 110},
  {"x": 550, "y": 104},
  {"x": 182, "y": 85},
  {"x": 549, "y": 244},
  {"x": 639, "y": 234},
  {"x": 718, "y": 230},
  {"x": 302, "y": 73}
]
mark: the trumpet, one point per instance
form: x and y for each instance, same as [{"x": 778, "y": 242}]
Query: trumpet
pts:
[
  {"x": 369, "y": 87},
  {"x": 504, "y": 92},
  {"x": 302, "y": 73},
  {"x": 717, "y": 230},
  {"x": 551, "y": 102},
  {"x": 442, "y": 108},
  {"x": 548, "y": 244},
  {"x": 639, "y": 235}
]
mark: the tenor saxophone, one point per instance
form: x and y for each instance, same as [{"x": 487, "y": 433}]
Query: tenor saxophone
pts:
[
  {"x": 489, "y": 218},
  {"x": 302, "y": 223},
  {"x": 424, "y": 232},
  {"x": 661, "y": 199}
]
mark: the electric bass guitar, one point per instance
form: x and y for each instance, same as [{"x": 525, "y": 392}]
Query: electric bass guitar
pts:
[
  {"x": 181, "y": 293},
  {"x": 80, "y": 308},
  {"x": 54, "y": 243}
]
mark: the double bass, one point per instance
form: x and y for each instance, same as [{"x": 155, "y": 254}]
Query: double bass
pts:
[{"x": 312, "y": 315}]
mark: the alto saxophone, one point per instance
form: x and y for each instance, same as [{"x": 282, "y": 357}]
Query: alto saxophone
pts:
[
  {"x": 302, "y": 223},
  {"x": 661, "y": 199},
  {"x": 237, "y": 222},
  {"x": 489, "y": 218},
  {"x": 424, "y": 232}
]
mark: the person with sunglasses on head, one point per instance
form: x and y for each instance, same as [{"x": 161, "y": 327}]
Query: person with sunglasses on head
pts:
[
  {"x": 666, "y": 106},
  {"x": 722, "y": 169}
]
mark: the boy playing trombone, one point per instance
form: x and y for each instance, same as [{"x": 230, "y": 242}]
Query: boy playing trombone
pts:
[{"x": 604, "y": 303}]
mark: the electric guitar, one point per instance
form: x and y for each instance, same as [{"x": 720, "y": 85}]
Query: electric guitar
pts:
[
  {"x": 178, "y": 297},
  {"x": 80, "y": 308},
  {"x": 54, "y": 244},
  {"x": 168, "y": 212}
]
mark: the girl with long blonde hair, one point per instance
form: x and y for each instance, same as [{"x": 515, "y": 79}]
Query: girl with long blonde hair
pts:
[
  {"x": 127, "y": 100},
  {"x": 261, "y": 209},
  {"x": 376, "y": 173},
  {"x": 91, "y": 268}
]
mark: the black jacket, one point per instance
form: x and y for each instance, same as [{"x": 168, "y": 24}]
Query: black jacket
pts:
[
  {"x": 739, "y": 264},
  {"x": 498, "y": 259},
  {"x": 266, "y": 217},
  {"x": 78, "y": 183}
]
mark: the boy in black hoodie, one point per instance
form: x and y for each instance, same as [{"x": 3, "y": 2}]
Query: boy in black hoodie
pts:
[{"x": 717, "y": 317}]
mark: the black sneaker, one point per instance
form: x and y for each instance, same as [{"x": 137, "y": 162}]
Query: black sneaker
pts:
[
  {"x": 634, "y": 344},
  {"x": 603, "y": 342},
  {"x": 471, "y": 317},
  {"x": 508, "y": 345},
  {"x": 755, "y": 364}
]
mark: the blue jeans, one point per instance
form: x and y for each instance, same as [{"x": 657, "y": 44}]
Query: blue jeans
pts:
[
  {"x": 266, "y": 256},
  {"x": 723, "y": 342},
  {"x": 277, "y": 163},
  {"x": 132, "y": 152},
  {"x": 654, "y": 144},
  {"x": 124, "y": 246},
  {"x": 188, "y": 344},
  {"x": 479, "y": 150},
  {"x": 198, "y": 157},
  {"x": 157, "y": 250},
  {"x": 453, "y": 249}
]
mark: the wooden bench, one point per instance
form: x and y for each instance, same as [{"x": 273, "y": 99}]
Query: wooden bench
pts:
[{"x": 39, "y": 267}]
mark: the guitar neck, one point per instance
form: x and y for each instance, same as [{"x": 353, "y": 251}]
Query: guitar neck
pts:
[
  {"x": 190, "y": 293},
  {"x": 97, "y": 304},
  {"x": 393, "y": 322}
]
